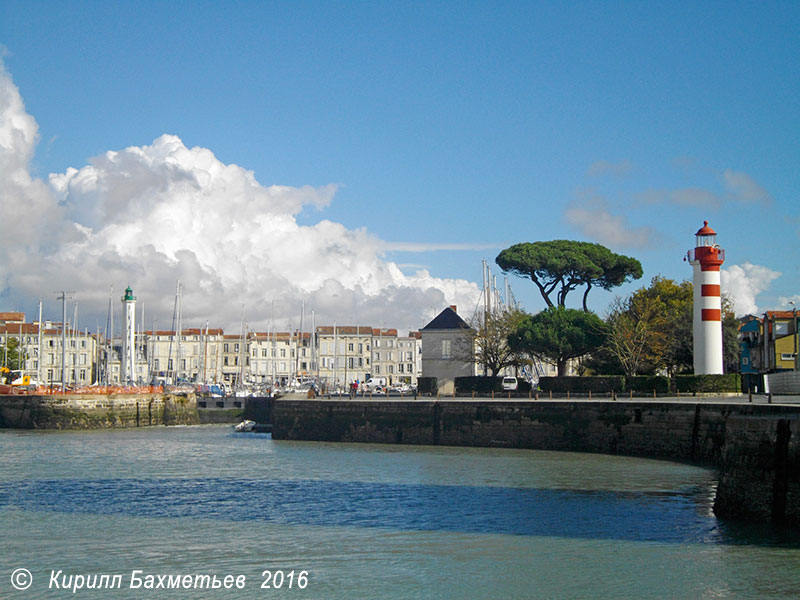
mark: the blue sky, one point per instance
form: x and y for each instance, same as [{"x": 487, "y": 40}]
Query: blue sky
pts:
[{"x": 439, "y": 132}]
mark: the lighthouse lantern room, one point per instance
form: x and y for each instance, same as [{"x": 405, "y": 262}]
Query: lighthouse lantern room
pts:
[{"x": 706, "y": 259}]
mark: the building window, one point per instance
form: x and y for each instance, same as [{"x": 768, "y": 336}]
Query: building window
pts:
[
  {"x": 400, "y": 368},
  {"x": 391, "y": 369},
  {"x": 445, "y": 348},
  {"x": 377, "y": 369},
  {"x": 225, "y": 347},
  {"x": 787, "y": 356}
]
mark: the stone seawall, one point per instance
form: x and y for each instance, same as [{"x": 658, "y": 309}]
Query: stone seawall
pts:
[
  {"x": 690, "y": 431},
  {"x": 760, "y": 469},
  {"x": 95, "y": 412}
]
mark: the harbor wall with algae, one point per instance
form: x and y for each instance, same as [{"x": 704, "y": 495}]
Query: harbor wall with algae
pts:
[{"x": 96, "y": 411}]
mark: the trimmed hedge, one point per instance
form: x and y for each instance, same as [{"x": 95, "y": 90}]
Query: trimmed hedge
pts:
[
  {"x": 428, "y": 386},
  {"x": 728, "y": 383},
  {"x": 600, "y": 383},
  {"x": 648, "y": 383},
  {"x": 478, "y": 384}
]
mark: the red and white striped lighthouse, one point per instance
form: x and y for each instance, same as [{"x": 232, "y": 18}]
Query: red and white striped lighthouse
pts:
[{"x": 706, "y": 259}]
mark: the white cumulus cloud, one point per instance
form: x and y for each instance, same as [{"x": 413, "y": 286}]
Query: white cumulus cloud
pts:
[
  {"x": 147, "y": 216},
  {"x": 742, "y": 283}
]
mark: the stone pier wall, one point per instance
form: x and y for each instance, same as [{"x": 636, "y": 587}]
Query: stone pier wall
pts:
[
  {"x": 760, "y": 469},
  {"x": 95, "y": 412}
]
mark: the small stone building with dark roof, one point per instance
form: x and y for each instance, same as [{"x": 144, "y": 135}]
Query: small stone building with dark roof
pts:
[{"x": 447, "y": 349}]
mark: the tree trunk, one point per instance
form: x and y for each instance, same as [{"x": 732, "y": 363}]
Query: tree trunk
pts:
[
  {"x": 561, "y": 365},
  {"x": 585, "y": 294}
]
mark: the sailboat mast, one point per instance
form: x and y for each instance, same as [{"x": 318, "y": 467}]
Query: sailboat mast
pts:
[{"x": 178, "y": 352}]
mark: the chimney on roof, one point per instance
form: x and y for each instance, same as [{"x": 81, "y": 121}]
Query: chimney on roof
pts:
[{"x": 454, "y": 309}]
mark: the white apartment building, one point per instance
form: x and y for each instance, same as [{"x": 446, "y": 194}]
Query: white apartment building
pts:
[
  {"x": 44, "y": 363},
  {"x": 356, "y": 353},
  {"x": 195, "y": 355}
]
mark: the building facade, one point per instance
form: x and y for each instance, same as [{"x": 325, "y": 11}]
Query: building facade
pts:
[
  {"x": 447, "y": 350},
  {"x": 769, "y": 344}
]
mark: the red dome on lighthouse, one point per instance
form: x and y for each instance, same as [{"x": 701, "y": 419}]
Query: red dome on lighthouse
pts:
[{"x": 705, "y": 230}]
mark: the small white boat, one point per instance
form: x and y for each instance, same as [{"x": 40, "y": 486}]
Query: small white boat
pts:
[{"x": 246, "y": 425}]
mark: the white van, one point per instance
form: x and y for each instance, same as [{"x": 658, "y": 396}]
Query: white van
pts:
[
  {"x": 374, "y": 383},
  {"x": 510, "y": 384}
]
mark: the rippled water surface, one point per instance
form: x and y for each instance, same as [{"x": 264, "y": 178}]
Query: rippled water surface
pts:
[{"x": 371, "y": 521}]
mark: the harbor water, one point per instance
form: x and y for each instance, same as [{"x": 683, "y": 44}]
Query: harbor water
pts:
[{"x": 368, "y": 521}]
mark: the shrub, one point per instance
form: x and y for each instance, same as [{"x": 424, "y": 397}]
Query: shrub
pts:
[
  {"x": 478, "y": 384},
  {"x": 648, "y": 383},
  {"x": 600, "y": 383},
  {"x": 428, "y": 386},
  {"x": 730, "y": 382}
]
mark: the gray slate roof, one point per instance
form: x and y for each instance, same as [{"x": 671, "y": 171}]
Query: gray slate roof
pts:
[{"x": 447, "y": 319}]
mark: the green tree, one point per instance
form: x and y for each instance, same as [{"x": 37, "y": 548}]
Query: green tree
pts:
[
  {"x": 652, "y": 329},
  {"x": 561, "y": 266},
  {"x": 557, "y": 335},
  {"x": 490, "y": 340},
  {"x": 10, "y": 354},
  {"x": 731, "y": 350},
  {"x": 636, "y": 333}
]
